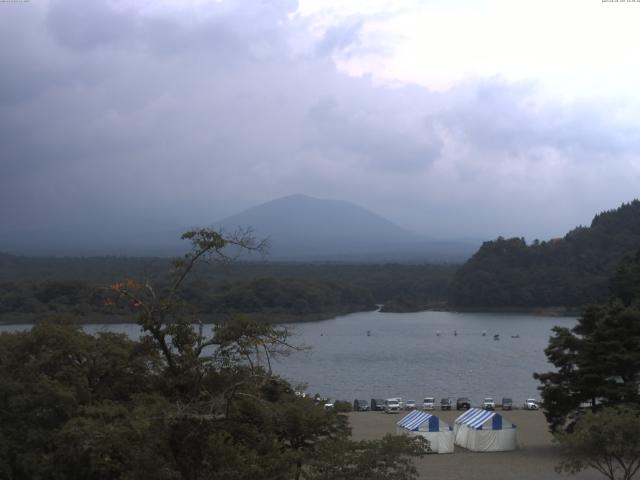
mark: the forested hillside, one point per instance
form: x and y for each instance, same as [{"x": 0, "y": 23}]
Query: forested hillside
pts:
[
  {"x": 31, "y": 287},
  {"x": 569, "y": 272}
]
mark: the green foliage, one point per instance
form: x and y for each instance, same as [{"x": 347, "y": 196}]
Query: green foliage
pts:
[
  {"x": 598, "y": 361},
  {"x": 273, "y": 295},
  {"x": 392, "y": 457},
  {"x": 273, "y": 291},
  {"x": 625, "y": 284},
  {"x": 173, "y": 405},
  {"x": 342, "y": 406},
  {"x": 50, "y": 376},
  {"x": 606, "y": 441},
  {"x": 572, "y": 271}
]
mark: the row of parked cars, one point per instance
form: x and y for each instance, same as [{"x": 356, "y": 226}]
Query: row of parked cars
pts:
[{"x": 392, "y": 405}]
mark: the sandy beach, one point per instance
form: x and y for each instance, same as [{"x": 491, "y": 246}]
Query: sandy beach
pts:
[{"x": 535, "y": 458}]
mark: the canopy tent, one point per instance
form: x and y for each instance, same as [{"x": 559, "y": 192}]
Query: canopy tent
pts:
[
  {"x": 438, "y": 433},
  {"x": 484, "y": 431}
]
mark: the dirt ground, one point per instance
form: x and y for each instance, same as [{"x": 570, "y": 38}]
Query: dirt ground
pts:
[{"x": 534, "y": 459}]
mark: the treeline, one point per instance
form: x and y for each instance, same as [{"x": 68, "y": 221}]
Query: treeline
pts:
[
  {"x": 570, "y": 272},
  {"x": 278, "y": 292},
  {"x": 274, "y": 296}
]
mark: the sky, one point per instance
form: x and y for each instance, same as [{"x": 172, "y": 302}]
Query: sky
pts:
[{"x": 454, "y": 119}]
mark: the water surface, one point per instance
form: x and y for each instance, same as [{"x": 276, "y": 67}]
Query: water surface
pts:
[{"x": 404, "y": 356}]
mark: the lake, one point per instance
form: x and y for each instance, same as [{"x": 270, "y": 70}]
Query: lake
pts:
[{"x": 404, "y": 356}]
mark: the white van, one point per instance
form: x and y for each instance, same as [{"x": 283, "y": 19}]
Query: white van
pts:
[
  {"x": 429, "y": 403},
  {"x": 393, "y": 405}
]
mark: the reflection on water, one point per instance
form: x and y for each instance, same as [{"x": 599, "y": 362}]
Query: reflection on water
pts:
[{"x": 403, "y": 356}]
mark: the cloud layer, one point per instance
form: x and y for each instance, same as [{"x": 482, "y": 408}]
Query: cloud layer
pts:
[{"x": 129, "y": 114}]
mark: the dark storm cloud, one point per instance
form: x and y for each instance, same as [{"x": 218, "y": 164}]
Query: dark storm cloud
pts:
[{"x": 113, "y": 114}]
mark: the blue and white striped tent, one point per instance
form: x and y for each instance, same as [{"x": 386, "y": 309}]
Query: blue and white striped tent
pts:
[
  {"x": 484, "y": 431},
  {"x": 438, "y": 433}
]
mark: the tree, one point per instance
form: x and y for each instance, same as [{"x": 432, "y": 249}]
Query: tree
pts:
[
  {"x": 597, "y": 361},
  {"x": 175, "y": 404},
  {"x": 606, "y": 441},
  {"x": 56, "y": 380},
  {"x": 391, "y": 457},
  {"x": 569, "y": 272}
]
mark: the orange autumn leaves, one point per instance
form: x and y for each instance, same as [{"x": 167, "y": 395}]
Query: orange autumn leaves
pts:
[
  {"x": 128, "y": 285},
  {"x": 126, "y": 289}
]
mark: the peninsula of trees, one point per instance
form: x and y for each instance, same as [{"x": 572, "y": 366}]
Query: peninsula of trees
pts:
[{"x": 568, "y": 272}]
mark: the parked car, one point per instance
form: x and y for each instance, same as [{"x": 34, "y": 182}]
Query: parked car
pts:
[
  {"x": 377, "y": 404},
  {"x": 429, "y": 403},
  {"x": 330, "y": 405},
  {"x": 445, "y": 404},
  {"x": 530, "y": 404},
  {"x": 463, "y": 403},
  {"x": 488, "y": 404},
  {"x": 360, "y": 405},
  {"x": 507, "y": 403},
  {"x": 392, "y": 405},
  {"x": 410, "y": 405}
]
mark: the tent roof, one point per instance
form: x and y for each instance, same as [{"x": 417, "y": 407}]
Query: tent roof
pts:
[
  {"x": 414, "y": 419},
  {"x": 475, "y": 417}
]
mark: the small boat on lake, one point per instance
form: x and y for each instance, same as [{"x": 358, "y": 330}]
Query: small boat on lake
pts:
[{"x": 496, "y": 337}]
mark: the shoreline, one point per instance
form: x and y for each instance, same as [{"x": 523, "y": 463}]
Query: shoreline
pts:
[
  {"x": 279, "y": 318},
  {"x": 207, "y": 319}
]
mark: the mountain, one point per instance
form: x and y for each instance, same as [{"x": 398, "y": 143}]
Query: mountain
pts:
[
  {"x": 301, "y": 228},
  {"x": 305, "y": 228},
  {"x": 565, "y": 272}
]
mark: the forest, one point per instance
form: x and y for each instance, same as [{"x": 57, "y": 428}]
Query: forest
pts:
[
  {"x": 568, "y": 272},
  {"x": 563, "y": 275},
  {"x": 31, "y": 288}
]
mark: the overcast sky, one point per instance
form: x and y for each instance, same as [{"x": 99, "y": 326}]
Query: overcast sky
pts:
[{"x": 452, "y": 118}]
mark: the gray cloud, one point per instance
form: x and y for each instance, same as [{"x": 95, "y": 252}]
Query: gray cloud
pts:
[{"x": 110, "y": 116}]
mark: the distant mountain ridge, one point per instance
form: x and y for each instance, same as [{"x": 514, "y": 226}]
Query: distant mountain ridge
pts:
[
  {"x": 301, "y": 228},
  {"x": 305, "y": 228},
  {"x": 571, "y": 272},
  {"x": 299, "y": 220}
]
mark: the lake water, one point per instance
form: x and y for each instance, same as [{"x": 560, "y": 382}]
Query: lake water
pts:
[{"x": 405, "y": 357}]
